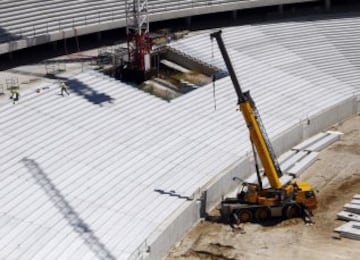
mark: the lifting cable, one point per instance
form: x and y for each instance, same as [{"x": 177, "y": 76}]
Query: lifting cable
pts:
[{"x": 213, "y": 76}]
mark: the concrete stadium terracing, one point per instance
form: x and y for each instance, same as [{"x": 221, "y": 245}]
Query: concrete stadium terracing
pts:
[
  {"x": 29, "y": 23},
  {"x": 118, "y": 173}
]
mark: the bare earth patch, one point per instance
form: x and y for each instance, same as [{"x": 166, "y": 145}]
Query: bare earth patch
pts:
[{"x": 336, "y": 175}]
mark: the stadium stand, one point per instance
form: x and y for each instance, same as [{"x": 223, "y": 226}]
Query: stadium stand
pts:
[
  {"x": 26, "y": 23},
  {"x": 112, "y": 172}
]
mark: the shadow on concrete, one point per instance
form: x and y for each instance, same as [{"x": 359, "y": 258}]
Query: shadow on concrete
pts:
[
  {"x": 28, "y": 73},
  {"x": 6, "y": 36},
  {"x": 87, "y": 92},
  {"x": 84, "y": 90},
  {"x": 68, "y": 212}
]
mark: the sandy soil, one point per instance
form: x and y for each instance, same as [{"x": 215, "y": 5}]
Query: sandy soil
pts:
[{"x": 337, "y": 177}]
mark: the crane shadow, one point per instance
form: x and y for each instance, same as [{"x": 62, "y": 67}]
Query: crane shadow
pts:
[
  {"x": 84, "y": 90},
  {"x": 68, "y": 212},
  {"x": 88, "y": 93},
  {"x": 6, "y": 36}
]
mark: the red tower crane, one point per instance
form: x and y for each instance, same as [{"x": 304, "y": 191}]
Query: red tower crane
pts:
[{"x": 138, "y": 36}]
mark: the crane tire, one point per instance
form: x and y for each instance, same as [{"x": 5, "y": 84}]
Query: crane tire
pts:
[
  {"x": 262, "y": 214},
  {"x": 245, "y": 215},
  {"x": 292, "y": 211}
]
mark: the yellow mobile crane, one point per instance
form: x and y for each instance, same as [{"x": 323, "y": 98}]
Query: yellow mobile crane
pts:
[{"x": 255, "y": 203}]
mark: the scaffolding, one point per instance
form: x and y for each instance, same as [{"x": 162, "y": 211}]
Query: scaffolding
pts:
[
  {"x": 12, "y": 84},
  {"x": 55, "y": 67}
]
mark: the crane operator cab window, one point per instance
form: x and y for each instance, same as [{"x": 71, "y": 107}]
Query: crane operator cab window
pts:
[{"x": 309, "y": 194}]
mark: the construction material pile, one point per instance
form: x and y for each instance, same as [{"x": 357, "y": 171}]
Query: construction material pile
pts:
[{"x": 351, "y": 213}]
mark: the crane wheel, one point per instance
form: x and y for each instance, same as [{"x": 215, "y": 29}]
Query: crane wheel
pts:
[
  {"x": 245, "y": 215},
  {"x": 262, "y": 214},
  {"x": 292, "y": 211}
]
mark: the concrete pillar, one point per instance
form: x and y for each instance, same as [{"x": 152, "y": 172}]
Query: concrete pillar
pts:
[
  {"x": 281, "y": 9},
  {"x": 327, "y": 5},
  {"x": 99, "y": 36},
  {"x": 188, "y": 21},
  {"x": 55, "y": 45},
  {"x": 234, "y": 15}
]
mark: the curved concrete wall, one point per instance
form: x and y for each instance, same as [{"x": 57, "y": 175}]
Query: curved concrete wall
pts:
[{"x": 28, "y": 23}]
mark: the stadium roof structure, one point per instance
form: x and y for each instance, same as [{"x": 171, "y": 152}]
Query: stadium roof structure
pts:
[{"x": 111, "y": 172}]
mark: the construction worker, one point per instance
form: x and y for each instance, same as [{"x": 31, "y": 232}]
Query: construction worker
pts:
[
  {"x": 63, "y": 88},
  {"x": 14, "y": 94}
]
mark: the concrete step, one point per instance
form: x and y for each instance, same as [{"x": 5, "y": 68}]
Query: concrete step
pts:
[
  {"x": 318, "y": 141},
  {"x": 356, "y": 197},
  {"x": 291, "y": 161},
  {"x": 324, "y": 142},
  {"x": 303, "y": 164},
  {"x": 355, "y": 201},
  {"x": 348, "y": 216},
  {"x": 309, "y": 141},
  {"x": 350, "y": 230},
  {"x": 354, "y": 208}
]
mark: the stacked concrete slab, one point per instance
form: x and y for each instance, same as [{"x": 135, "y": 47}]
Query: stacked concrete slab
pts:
[
  {"x": 294, "y": 162},
  {"x": 351, "y": 229},
  {"x": 25, "y": 23},
  {"x": 133, "y": 166}
]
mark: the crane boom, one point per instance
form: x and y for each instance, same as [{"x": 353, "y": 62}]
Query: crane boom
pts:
[
  {"x": 253, "y": 121},
  {"x": 255, "y": 202}
]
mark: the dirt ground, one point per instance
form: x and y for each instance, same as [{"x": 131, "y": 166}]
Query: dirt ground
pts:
[{"x": 336, "y": 175}]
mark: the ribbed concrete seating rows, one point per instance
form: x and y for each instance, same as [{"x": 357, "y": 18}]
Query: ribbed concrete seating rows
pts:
[
  {"x": 33, "y": 19},
  {"x": 109, "y": 148},
  {"x": 40, "y": 17},
  {"x": 123, "y": 136}
]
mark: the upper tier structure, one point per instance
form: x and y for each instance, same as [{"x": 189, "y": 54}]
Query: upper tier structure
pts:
[{"x": 26, "y": 23}]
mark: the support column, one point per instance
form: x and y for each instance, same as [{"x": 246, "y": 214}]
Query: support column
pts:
[
  {"x": 327, "y": 5},
  {"x": 188, "y": 21},
  {"x": 281, "y": 9},
  {"x": 99, "y": 36},
  {"x": 55, "y": 45},
  {"x": 234, "y": 15}
]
